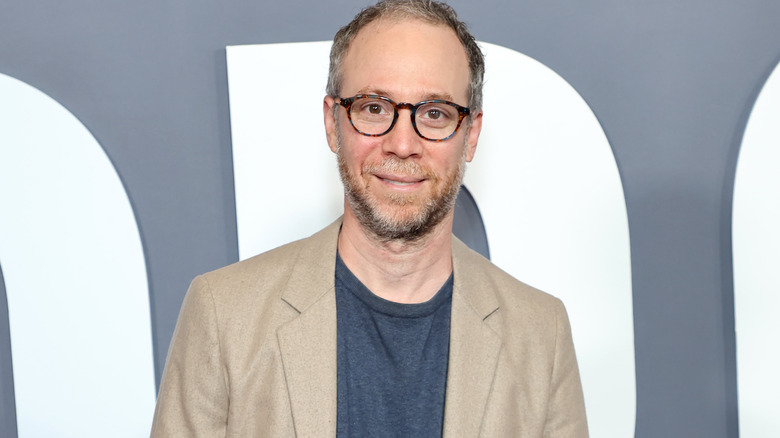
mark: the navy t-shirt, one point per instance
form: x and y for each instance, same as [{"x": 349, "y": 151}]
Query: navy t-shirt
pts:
[{"x": 392, "y": 361}]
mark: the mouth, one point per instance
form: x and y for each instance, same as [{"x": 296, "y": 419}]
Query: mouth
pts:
[
  {"x": 399, "y": 180},
  {"x": 399, "y": 183}
]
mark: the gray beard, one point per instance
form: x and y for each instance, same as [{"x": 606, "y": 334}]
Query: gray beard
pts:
[{"x": 387, "y": 227}]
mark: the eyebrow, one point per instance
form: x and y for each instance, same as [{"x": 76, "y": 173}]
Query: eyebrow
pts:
[
  {"x": 429, "y": 96},
  {"x": 439, "y": 96},
  {"x": 372, "y": 90}
]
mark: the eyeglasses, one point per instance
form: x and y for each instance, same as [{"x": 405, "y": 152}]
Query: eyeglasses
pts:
[{"x": 374, "y": 116}]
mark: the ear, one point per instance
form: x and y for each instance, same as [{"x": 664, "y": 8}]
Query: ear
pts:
[
  {"x": 331, "y": 127},
  {"x": 473, "y": 136}
]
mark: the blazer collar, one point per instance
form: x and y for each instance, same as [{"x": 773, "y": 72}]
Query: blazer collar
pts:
[
  {"x": 474, "y": 346},
  {"x": 472, "y": 280},
  {"x": 314, "y": 268},
  {"x": 313, "y": 272},
  {"x": 308, "y": 343}
]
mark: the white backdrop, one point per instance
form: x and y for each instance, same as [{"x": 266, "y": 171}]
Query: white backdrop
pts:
[
  {"x": 756, "y": 252},
  {"x": 75, "y": 277},
  {"x": 544, "y": 178}
]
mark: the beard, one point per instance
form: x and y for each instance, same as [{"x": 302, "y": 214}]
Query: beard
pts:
[{"x": 403, "y": 217}]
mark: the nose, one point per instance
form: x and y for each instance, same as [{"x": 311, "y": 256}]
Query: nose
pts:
[{"x": 402, "y": 141}]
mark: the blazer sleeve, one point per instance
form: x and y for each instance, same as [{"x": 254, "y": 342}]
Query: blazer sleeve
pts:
[
  {"x": 566, "y": 409},
  {"x": 193, "y": 397}
]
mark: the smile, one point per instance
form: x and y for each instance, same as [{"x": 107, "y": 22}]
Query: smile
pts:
[
  {"x": 399, "y": 180},
  {"x": 398, "y": 183}
]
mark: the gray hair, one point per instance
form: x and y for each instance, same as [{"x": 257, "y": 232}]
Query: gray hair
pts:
[{"x": 430, "y": 11}]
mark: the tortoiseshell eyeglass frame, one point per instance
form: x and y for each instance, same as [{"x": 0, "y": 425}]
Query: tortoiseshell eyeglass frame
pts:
[{"x": 347, "y": 104}]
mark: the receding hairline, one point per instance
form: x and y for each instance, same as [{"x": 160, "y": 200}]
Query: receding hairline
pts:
[
  {"x": 398, "y": 18},
  {"x": 401, "y": 19},
  {"x": 433, "y": 12}
]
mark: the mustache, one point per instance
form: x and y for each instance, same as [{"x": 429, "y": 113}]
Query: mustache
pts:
[{"x": 396, "y": 166}]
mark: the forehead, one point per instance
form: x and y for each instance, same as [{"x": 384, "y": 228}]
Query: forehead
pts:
[{"x": 410, "y": 59}]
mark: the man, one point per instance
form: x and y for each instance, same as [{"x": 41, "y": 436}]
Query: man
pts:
[{"x": 382, "y": 324}]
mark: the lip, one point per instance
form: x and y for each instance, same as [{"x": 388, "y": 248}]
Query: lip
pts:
[{"x": 399, "y": 181}]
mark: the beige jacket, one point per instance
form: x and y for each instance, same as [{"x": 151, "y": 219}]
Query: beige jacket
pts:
[{"x": 254, "y": 352}]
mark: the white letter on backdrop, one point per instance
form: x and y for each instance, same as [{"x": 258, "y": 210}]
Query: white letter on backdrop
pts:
[
  {"x": 75, "y": 275},
  {"x": 756, "y": 254}
]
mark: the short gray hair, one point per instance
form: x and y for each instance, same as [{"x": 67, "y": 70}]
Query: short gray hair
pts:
[{"x": 430, "y": 11}]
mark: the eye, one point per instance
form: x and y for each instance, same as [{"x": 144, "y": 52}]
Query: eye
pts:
[
  {"x": 370, "y": 107},
  {"x": 374, "y": 108},
  {"x": 433, "y": 114},
  {"x": 436, "y": 112}
]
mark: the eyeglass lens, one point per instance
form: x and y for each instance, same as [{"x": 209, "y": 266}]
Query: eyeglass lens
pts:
[{"x": 433, "y": 120}]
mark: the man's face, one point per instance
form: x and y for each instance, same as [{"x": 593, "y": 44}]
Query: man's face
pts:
[{"x": 399, "y": 185}]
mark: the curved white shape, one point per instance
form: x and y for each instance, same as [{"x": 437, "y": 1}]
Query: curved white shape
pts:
[
  {"x": 552, "y": 202},
  {"x": 756, "y": 254},
  {"x": 286, "y": 180},
  {"x": 544, "y": 178},
  {"x": 75, "y": 276}
]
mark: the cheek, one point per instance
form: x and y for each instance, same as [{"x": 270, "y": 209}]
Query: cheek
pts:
[
  {"x": 449, "y": 162},
  {"x": 353, "y": 157},
  {"x": 360, "y": 150}
]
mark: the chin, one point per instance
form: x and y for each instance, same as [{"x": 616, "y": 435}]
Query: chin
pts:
[{"x": 392, "y": 222}]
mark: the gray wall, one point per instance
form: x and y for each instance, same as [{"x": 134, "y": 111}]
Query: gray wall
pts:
[{"x": 671, "y": 82}]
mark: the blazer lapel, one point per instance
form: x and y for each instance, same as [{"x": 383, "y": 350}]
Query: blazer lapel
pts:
[
  {"x": 474, "y": 346},
  {"x": 308, "y": 347},
  {"x": 308, "y": 342}
]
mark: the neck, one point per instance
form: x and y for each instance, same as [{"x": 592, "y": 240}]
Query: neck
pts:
[{"x": 399, "y": 271}]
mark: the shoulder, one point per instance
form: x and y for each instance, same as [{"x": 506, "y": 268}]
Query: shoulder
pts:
[
  {"x": 530, "y": 322},
  {"x": 275, "y": 263},
  {"x": 484, "y": 278},
  {"x": 262, "y": 280},
  {"x": 269, "y": 269}
]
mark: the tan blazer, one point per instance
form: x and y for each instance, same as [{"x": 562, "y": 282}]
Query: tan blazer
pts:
[{"x": 254, "y": 352}]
